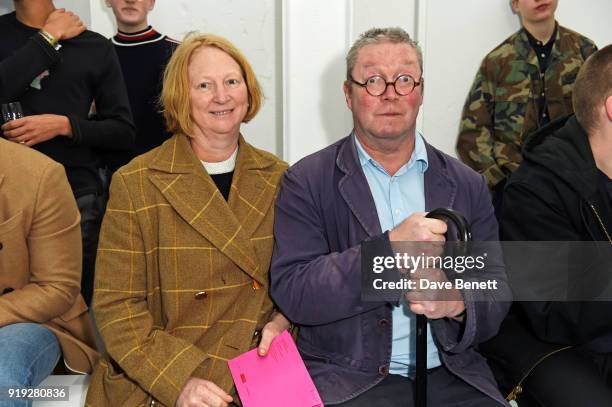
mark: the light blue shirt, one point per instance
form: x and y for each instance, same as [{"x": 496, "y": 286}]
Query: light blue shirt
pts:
[{"x": 397, "y": 197}]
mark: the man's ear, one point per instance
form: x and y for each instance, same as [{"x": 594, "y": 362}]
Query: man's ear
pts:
[
  {"x": 514, "y": 6},
  {"x": 347, "y": 94},
  {"x": 152, "y": 5},
  {"x": 608, "y": 107}
]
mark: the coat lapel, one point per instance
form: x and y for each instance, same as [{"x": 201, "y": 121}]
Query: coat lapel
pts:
[
  {"x": 440, "y": 189},
  {"x": 182, "y": 180},
  {"x": 354, "y": 188},
  {"x": 254, "y": 187}
]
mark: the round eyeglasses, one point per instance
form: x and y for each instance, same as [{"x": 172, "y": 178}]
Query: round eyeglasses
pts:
[{"x": 376, "y": 85}]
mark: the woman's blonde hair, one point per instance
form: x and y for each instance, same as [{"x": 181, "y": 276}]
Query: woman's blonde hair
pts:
[{"x": 175, "y": 100}]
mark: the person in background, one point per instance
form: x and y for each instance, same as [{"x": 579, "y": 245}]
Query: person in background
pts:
[
  {"x": 375, "y": 185},
  {"x": 43, "y": 318},
  {"x": 55, "y": 69},
  {"x": 182, "y": 272},
  {"x": 523, "y": 84},
  {"x": 143, "y": 54},
  {"x": 560, "y": 352}
]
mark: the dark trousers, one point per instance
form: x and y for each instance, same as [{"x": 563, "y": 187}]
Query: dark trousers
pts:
[
  {"x": 91, "y": 207},
  {"x": 572, "y": 378},
  {"x": 443, "y": 389}
]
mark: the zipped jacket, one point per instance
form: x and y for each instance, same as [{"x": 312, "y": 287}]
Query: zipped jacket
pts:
[{"x": 555, "y": 195}]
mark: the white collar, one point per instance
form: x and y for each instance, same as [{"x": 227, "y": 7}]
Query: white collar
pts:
[{"x": 222, "y": 167}]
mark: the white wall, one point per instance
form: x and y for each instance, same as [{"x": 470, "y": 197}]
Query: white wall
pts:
[
  {"x": 316, "y": 36},
  {"x": 253, "y": 26},
  {"x": 297, "y": 48},
  {"x": 79, "y": 7},
  {"x": 457, "y": 36}
]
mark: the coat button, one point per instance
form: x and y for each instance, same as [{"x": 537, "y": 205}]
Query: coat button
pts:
[
  {"x": 383, "y": 370},
  {"x": 383, "y": 322},
  {"x": 201, "y": 295}
]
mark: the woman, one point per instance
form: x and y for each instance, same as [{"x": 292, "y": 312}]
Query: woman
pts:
[{"x": 182, "y": 271}]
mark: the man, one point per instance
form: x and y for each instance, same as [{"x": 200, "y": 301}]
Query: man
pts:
[
  {"x": 143, "y": 54},
  {"x": 55, "y": 69},
  {"x": 376, "y": 185},
  {"x": 42, "y": 315},
  {"x": 562, "y": 191},
  {"x": 521, "y": 85}
]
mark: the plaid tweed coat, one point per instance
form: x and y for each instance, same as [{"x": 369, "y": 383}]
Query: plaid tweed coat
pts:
[{"x": 181, "y": 275}]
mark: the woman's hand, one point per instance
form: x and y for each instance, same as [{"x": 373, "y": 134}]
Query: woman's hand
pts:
[
  {"x": 202, "y": 393},
  {"x": 271, "y": 330}
]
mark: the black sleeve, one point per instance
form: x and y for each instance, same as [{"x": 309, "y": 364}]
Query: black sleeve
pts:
[
  {"x": 528, "y": 216},
  {"x": 113, "y": 127},
  {"x": 21, "y": 68}
]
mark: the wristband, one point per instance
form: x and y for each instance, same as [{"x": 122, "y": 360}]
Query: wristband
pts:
[{"x": 54, "y": 42}]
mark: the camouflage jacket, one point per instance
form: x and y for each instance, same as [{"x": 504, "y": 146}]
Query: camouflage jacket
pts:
[{"x": 501, "y": 108}]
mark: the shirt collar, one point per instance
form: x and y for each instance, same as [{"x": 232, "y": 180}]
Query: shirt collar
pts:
[
  {"x": 535, "y": 43},
  {"x": 419, "y": 156},
  {"x": 222, "y": 167}
]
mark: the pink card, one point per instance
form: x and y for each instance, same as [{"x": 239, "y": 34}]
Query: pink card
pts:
[{"x": 278, "y": 379}]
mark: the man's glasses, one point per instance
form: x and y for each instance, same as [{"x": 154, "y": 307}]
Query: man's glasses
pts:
[{"x": 376, "y": 85}]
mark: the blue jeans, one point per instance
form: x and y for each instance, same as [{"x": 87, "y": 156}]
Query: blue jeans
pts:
[{"x": 28, "y": 354}]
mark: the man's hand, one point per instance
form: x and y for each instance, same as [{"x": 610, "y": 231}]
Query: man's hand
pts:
[
  {"x": 418, "y": 228},
  {"x": 63, "y": 24},
  {"x": 202, "y": 393},
  {"x": 271, "y": 330},
  {"x": 435, "y": 302},
  {"x": 31, "y": 130}
]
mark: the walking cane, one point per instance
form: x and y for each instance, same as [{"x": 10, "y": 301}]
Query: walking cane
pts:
[{"x": 465, "y": 235}]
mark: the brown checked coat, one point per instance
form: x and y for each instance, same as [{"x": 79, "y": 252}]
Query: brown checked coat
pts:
[
  {"x": 182, "y": 275},
  {"x": 40, "y": 253}
]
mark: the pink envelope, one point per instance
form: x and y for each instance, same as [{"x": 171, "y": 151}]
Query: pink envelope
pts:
[{"x": 278, "y": 379}]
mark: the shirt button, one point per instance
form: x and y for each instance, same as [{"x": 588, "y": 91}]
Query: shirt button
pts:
[
  {"x": 543, "y": 94},
  {"x": 543, "y": 55},
  {"x": 397, "y": 211},
  {"x": 543, "y": 114},
  {"x": 542, "y": 74},
  {"x": 383, "y": 370},
  {"x": 201, "y": 295}
]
